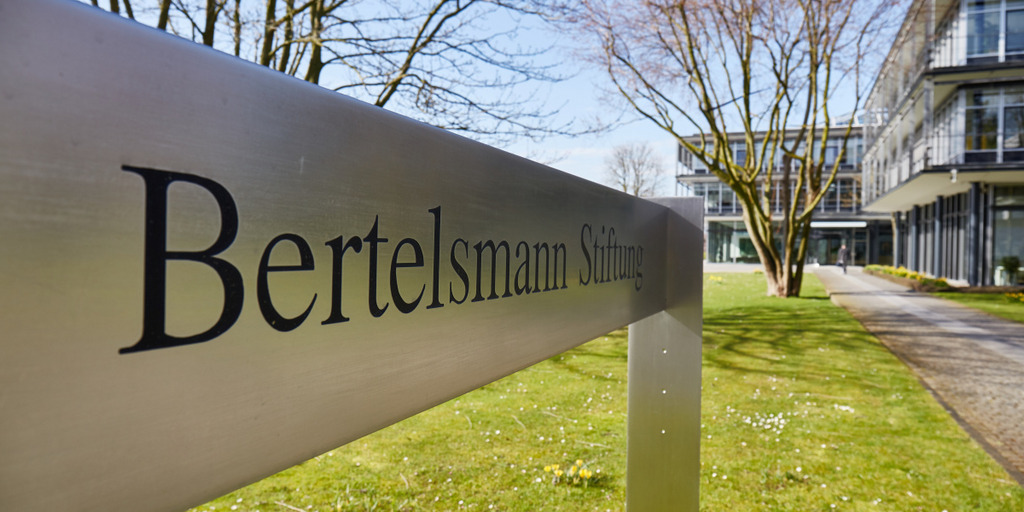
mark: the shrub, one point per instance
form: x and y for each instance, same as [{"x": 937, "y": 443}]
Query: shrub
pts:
[{"x": 909, "y": 274}]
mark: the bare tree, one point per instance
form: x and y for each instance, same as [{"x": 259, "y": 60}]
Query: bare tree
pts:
[
  {"x": 439, "y": 61},
  {"x": 761, "y": 73},
  {"x": 634, "y": 169}
]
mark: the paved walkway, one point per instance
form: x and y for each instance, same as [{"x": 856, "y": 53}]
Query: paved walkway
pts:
[{"x": 972, "y": 361}]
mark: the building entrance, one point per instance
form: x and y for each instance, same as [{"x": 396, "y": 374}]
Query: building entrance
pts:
[{"x": 825, "y": 244}]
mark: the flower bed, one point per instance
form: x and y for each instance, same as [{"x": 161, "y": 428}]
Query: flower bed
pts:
[{"x": 909, "y": 278}]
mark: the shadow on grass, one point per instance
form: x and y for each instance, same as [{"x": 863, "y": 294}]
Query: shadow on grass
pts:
[
  {"x": 611, "y": 350},
  {"x": 781, "y": 340}
]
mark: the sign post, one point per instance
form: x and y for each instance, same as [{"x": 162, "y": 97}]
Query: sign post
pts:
[
  {"x": 664, "y": 377},
  {"x": 210, "y": 272}
]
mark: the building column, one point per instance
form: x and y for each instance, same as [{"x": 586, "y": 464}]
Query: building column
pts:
[
  {"x": 987, "y": 233},
  {"x": 937, "y": 238},
  {"x": 897, "y": 239},
  {"x": 928, "y": 120},
  {"x": 913, "y": 248},
  {"x": 974, "y": 235},
  {"x": 872, "y": 243}
]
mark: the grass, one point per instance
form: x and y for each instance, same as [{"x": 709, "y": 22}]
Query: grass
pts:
[
  {"x": 802, "y": 410},
  {"x": 857, "y": 430},
  {"x": 992, "y": 303}
]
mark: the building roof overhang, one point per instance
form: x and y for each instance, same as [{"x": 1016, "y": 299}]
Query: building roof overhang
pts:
[{"x": 928, "y": 185}]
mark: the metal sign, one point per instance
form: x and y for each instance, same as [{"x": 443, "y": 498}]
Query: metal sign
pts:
[{"x": 210, "y": 271}]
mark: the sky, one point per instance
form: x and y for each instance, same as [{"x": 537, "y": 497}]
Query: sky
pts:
[
  {"x": 585, "y": 155},
  {"x": 584, "y": 97}
]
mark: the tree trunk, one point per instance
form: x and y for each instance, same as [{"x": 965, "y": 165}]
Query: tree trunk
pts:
[
  {"x": 269, "y": 31},
  {"x": 212, "y": 12},
  {"x": 286, "y": 49},
  {"x": 165, "y": 12},
  {"x": 316, "y": 63},
  {"x": 236, "y": 21}
]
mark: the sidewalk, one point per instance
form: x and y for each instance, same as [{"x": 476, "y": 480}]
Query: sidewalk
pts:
[{"x": 972, "y": 361}]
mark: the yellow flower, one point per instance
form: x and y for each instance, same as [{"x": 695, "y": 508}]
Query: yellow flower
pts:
[
  {"x": 572, "y": 471},
  {"x": 586, "y": 473},
  {"x": 547, "y": 469},
  {"x": 579, "y": 463},
  {"x": 559, "y": 472}
]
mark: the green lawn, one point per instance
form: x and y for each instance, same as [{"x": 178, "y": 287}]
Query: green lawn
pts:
[
  {"x": 993, "y": 303},
  {"x": 802, "y": 411}
]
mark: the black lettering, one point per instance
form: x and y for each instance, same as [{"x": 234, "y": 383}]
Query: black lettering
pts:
[
  {"x": 338, "y": 248},
  {"x": 371, "y": 238},
  {"x": 436, "y": 301},
  {"x": 523, "y": 270},
  {"x": 639, "y": 283},
  {"x": 154, "y": 306},
  {"x": 270, "y": 314},
  {"x": 586, "y": 254},
  {"x": 480, "y": 246},
  {"x": 630, "y": 262},
  {"x": 396, "y": 294},
  {"x": 461, "y": 271},
  {"x": 612, "y": 253},
  {"x": 547, "y": 266},
  {"x": 559, "y": 248}
]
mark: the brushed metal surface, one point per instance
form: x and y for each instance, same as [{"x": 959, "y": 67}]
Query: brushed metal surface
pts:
[
  {"x": 663, "y": 424},
  {"x": 87, "y": 99}
]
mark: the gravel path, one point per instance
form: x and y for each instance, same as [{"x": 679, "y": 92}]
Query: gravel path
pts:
[{"x": 972, "y": 361}]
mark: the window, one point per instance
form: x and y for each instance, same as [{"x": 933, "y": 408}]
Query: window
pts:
[
  {"x": 830, "y": 202},
  {"x": 1013, "y": 134},
  {"x": 1008, "y": 214},
  {"x": 1009, "y": 234},
  {"x": 993, "y": 125},
  {"x": 1014, "y": 29},
  {"x": 699, "y": 190},
  {"x": 1013, "y": 124},
  {"x": 728, "y": 199},
  {"x": 831, "y": 152},
  {"x": 739, "y": 152},
  {"x": 1010, "y": 196},
  {"x": 712, "y": 200},
  {"x": 848, "y": 195},
  {"x": 994, "y": 31},
  {"x": 854, "y": 151},
  {"x": 982, "y": 34},
  {"x": 981, "y": 128}
]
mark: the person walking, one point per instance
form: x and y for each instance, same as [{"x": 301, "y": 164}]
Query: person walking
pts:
[{"x": 844, "y": 256}]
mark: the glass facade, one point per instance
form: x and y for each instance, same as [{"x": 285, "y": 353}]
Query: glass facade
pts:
[
  {"x": 729, "y": 242},
  {"x": 727, "y": 237},
  {"x": 981, "y": 32},
  {"x": 959, "y": 113},
  {"x": 983, "y": 21},
  {"x": 994, "y": 124},
  {"x": 1008, "y": 227},
  {"x": 980, "y": 125},
  {"x": 842, "y": 197},
  {"x": 851, "y": 157}
]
